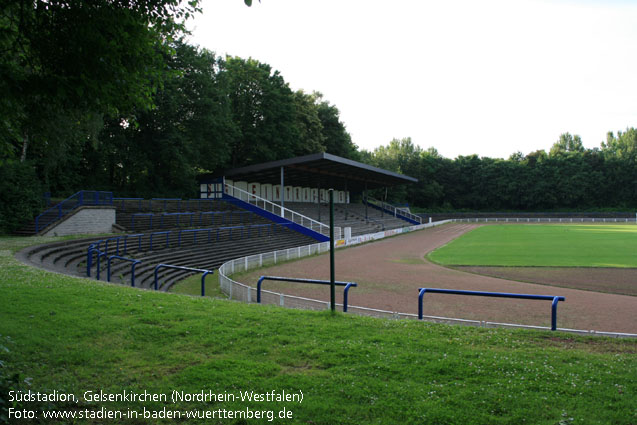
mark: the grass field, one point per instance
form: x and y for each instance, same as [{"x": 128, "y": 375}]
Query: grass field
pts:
[
  {"x": 568, "y": 245},
  {"x": 73, "y": 335}
]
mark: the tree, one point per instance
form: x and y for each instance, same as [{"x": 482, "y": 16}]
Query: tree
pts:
[
  {"x": 308, "y": 123},
  {"x": 78, "y": 60},
  {"x": 623, "y": 146},
  {"x": 567, "y": 144},
  {"x": 336, "y": 139},
  {"x": 189, "y": 130},
  {"x": 263, "y": 109}
]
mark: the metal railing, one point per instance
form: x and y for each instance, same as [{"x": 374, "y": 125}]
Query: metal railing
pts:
[
  {"x": 396, "y": 212},
  {"x": 191, "y": 269},
  {"x": 347, "y": 285},
  {"x": 553, "y": 298},
  {"x": 544, "y": 220},
  {"x": 283, "y": 212},
  {"x": 83, "y": 197},
  {"x": 95, "y": 248},
  {"x": 132, "y": 260}
]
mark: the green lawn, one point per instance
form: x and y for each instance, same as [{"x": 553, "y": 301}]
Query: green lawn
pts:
[
  {"x": 569, "y": 245},
  {"x": 73, "y": 335}
]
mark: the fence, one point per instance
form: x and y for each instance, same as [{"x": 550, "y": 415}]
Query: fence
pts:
[
  {"x": 544, "y": 220},
  {"x": 552, "y": 298},
  {"x": 392, "y": 210},
  {"x": 225, "y": 217},
  {"x": 347, "y": 285},
  {"x": 83, "y": 197},
  {"x": 191, "y": 269},
  {"x": 283, "y": 212},
  {"x": 163, "y": 204}
]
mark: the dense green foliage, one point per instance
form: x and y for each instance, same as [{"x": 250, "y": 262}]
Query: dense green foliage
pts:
[
  {"x": 20, "y": 194},
  {"x": 75, "y": 335},
  {"x": 104, "y": 95},
  {"x": 569, "y": 177},
  {"x": 568, "y": 245}
]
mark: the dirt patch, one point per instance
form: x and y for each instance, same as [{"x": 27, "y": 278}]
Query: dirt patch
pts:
[
  {"x": 390, "y": 271},
  {"x": 607, "y": 280}
]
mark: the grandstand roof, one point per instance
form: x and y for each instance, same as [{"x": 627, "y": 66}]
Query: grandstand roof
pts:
[{"x": 320, "y": 169}]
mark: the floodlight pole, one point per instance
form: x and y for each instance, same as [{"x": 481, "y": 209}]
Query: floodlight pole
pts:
[{"x": 332, "y": 243}]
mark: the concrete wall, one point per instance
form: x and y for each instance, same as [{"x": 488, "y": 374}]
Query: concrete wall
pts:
[{"x": 84, "y": 220}]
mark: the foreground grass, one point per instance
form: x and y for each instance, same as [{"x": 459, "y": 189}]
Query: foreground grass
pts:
[
  {"x": 568, "y": 245},
  {"x": 75, "y": 335}
]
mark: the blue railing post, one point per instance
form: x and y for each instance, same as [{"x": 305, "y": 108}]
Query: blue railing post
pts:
[
  {"x": 554, "y": 313},
  {"x": 203, "y": 282},
  {"x": 157, "y": 268},
  {"x": 260, "y": 281},
  {"x": 420, "y": 295},
  {"x": 89, "y": 259},
  {"x": 99, "y": 256},
  {"x": 345, "y": 292},
  {"x": 132, "y": 278},
  {"x": 108, "y": 268}
]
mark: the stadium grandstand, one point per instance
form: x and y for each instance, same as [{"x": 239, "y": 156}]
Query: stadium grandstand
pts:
[{"x": 244, "y": 211}]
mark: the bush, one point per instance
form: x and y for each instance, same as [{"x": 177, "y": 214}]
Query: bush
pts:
[{"x": 20, "y": 195}]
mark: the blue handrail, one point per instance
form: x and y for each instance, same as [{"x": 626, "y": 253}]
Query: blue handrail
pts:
[
  {"x": 553, "y": 298},
  {"x": 347, "y": 285},
  {"x": 132, "y": 260},
  {"x": 191, "y": 269},
  {"x": 83, "y": 197}
]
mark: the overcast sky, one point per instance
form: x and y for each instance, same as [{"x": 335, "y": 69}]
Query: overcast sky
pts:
[{"x": 488, "y": 77}]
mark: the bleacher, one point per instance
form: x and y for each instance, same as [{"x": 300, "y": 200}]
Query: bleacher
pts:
[
  {"x": 349, "y": 215},
  {"x": 137, "y": 215},
  {"x": 205, "y": 249}
]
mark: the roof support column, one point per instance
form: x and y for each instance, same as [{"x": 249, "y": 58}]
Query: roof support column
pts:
[
  {"x": 365, "y": 199},
  {"x": 282, "y": 192},
  {"x": 318, "y": 198},
  {"x": 346, "y": 203}
]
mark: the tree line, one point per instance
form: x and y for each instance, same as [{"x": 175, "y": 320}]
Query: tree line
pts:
[
  {"x": 106, "y": 95},
  {"x": 568, "y": 177}
]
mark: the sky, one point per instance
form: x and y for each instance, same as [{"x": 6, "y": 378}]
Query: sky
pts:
[{"x": 489, "y": 77}]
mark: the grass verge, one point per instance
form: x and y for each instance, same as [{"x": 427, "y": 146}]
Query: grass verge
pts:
[{"x": 75, "y": 335}]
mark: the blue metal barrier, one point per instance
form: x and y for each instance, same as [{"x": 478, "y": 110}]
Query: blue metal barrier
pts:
[
  {"x": 132, "y": 260},
  {"x": 170, "y": 266},
  {"x": 194, "y": 232},
  {"x": 167, "y": 233},
  {"x": 213, "y": 214},
  {"x": 122, "y": 204},
  {"x": 89, "y": 259},
  {"x": 151, "y": 215},
  {"x": 178, "y": 215},
  {"x": 95, "y": 248},
  {"x": 347, "y": 285},
  {"x": 139, "y": 241},
  {"x": 552, "y": 298},
  {"x": 117, "y": 238},
  {"x": 150, "y": 202},
  {"x": 83, "y": 197}
]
